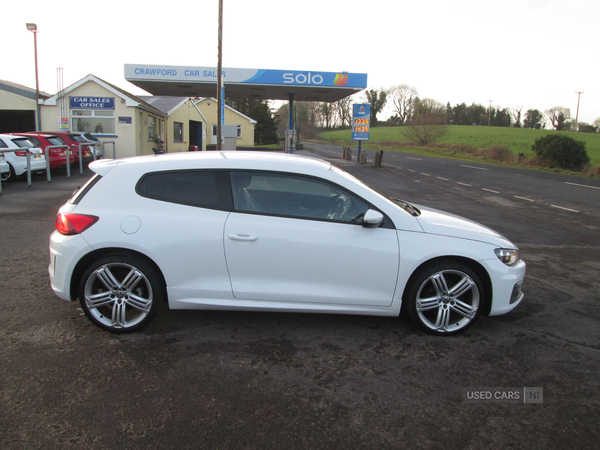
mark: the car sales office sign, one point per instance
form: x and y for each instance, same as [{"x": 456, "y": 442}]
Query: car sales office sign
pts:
[
  {"x": 92, "y": 102},
  {"x": 361, "y": 122}
]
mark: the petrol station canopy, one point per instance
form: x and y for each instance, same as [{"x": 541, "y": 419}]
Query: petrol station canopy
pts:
[{"x": 264, "y": 84}]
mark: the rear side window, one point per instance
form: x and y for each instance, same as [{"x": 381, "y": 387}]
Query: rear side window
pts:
[
  {"x": 82, "y": 191},
  {"x": 54, "y": 141},
  {"x": 35, "y": 141},
  {"x": 24, "y": 143},
  {"x": 204, "y": 189}
]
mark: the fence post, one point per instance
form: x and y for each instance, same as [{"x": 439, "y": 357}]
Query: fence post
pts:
[
  {"x": 114, "y": 149},
  {"x": 378, "y": 158},
  {"x": 363, "y": 157}
]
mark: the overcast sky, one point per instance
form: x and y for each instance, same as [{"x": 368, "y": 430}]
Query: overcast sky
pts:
[{"x": 530, "y": 53}]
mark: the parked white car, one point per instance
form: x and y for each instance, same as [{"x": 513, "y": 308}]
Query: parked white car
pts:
[
  {"x": 17, "y": 161},
  {"x": 272, "y": 232},
  {"x": 4, "y": 168},
  {"x": 84, "y": 136}
]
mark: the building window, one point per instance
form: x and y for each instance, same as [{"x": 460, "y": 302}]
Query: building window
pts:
[
  {"x": 99, "y": 121},
  {"x": 239, "y": 131},
  {"x": 178, "y": 132},
  {"x": 151, "y": 128}
]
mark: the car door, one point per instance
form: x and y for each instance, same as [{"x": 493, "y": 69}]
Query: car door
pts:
[{"x": 299, "y": 239}]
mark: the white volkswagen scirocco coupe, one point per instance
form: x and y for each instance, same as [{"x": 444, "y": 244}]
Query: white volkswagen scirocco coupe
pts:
[{"x": 269, "y": 232}]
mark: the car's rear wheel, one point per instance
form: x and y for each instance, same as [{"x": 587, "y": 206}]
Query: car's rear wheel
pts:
[
  {"x": 445, "y": 298},
  {"x": 10, "y": 176},
  {"x": 121, "y": 293}
]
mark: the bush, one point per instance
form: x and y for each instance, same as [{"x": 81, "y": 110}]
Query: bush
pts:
[
  {"x": 425, "y": 128},
  {"x": 563, "y": 152}
]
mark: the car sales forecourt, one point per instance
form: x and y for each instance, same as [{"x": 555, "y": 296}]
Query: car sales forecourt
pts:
[
  {"x": 231, "y": 380},
  {"x": 356, "y": 377}
]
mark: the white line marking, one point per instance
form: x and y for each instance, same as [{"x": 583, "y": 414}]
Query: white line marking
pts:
[
  {"x": 408, "y": 157},
  {"x": 426, "y": 174},
  {"x": 490, "y": 190},
  {"x": 464, "y": 184},
  {"x": 524, "y": 198},
  {"x": 410, "y": 170},
  {"x": 440, "y": 178},
  {"x": 566, "y": 209},
  {"x": 473, "y": 167},
  {"x": 582, "y": 185}
]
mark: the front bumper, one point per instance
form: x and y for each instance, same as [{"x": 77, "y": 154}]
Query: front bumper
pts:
[{"x": 506, "y": 286}]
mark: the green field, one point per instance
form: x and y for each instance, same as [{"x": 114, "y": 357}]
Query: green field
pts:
[{"x": 517, "y": 140}]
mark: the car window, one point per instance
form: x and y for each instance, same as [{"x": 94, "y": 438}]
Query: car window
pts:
[
  {"x": 60, "y": 140},
  {"x": 205, "y": 189},
  {"x": 83, "y": 190},
  {"x": 54, "y": 141},
  {"x": 3, "y": 144},
  {"x": 35, "y": 141},
  {"x": 24, "y": 143},
  {"x": 294, "y": 196}
]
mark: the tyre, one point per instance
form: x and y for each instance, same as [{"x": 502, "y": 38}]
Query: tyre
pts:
[
  {"x": 445, "y": 298},
  {"x": 11, "y": 176},
  {"x": 121, "y": 293}
]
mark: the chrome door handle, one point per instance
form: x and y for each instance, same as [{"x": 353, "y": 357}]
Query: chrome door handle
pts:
[{"x": 242, "y": 237}]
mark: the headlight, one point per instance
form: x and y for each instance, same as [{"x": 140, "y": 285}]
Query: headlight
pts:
[{"x": 508, "y": 256}]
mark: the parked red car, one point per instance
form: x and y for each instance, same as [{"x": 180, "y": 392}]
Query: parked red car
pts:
[
  {"x": 57, "y": 156},
  {"x": 71, "y": 140}
]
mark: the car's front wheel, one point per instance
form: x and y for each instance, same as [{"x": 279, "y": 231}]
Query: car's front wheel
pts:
[
  {"x": 121, "y": 293},
  {"x": 445, "y": 298}
]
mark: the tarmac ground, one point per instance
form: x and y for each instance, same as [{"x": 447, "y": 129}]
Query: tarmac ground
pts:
[{"x": 233, "y": 380}]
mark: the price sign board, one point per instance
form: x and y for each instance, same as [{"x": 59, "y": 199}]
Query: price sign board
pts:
[{"x": 361, "y": 122}]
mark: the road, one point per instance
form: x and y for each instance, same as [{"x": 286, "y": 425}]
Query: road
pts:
[
  {"x": 233, "y": 380},
  {"x": 573, "y": 202}
]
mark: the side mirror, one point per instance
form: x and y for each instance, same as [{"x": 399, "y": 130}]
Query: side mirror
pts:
[{"x": 372, "y": 219}]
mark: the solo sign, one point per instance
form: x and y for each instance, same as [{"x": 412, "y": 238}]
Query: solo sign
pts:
[{"x": 361, "y": 122}]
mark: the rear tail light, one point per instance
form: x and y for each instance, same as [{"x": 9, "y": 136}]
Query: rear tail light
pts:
[
  {"x": 21, "y": 153},
  {"x": 71, "y": 224}
]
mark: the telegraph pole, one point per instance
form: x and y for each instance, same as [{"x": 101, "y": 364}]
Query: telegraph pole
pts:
[
  {"x": 220, "y": 98},
  {"x": 577, "y": 115},
  {"x": 490, "y": 113},
  {"x": 38, "y": 121}
]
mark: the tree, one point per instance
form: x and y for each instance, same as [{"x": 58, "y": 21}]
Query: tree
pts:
[
  {"x": 327, "y": 111},
  {"x": 428, "y": 107},
  {"x": 344, "y": 111},
  {"x": 468, "y": 115},
  {"x": 377, "y": 100},
  {"x": 597, "y": 123},
  {"x": 533, "y": 119},
  {"x": 516, "y": 113},
  {"x": 559, "y": 116},
  {"x": 500, "y": 117},
  {"x": 265, "y": 130},
  {"x": 559, "y": 150},
  {"x": 307, "y": 118},
  {"x": 458, "y": 115},
  {"x": 402, "y": 98},
  {"x": 428, "y": 122},
  {"x": 583, "y": 127}
]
